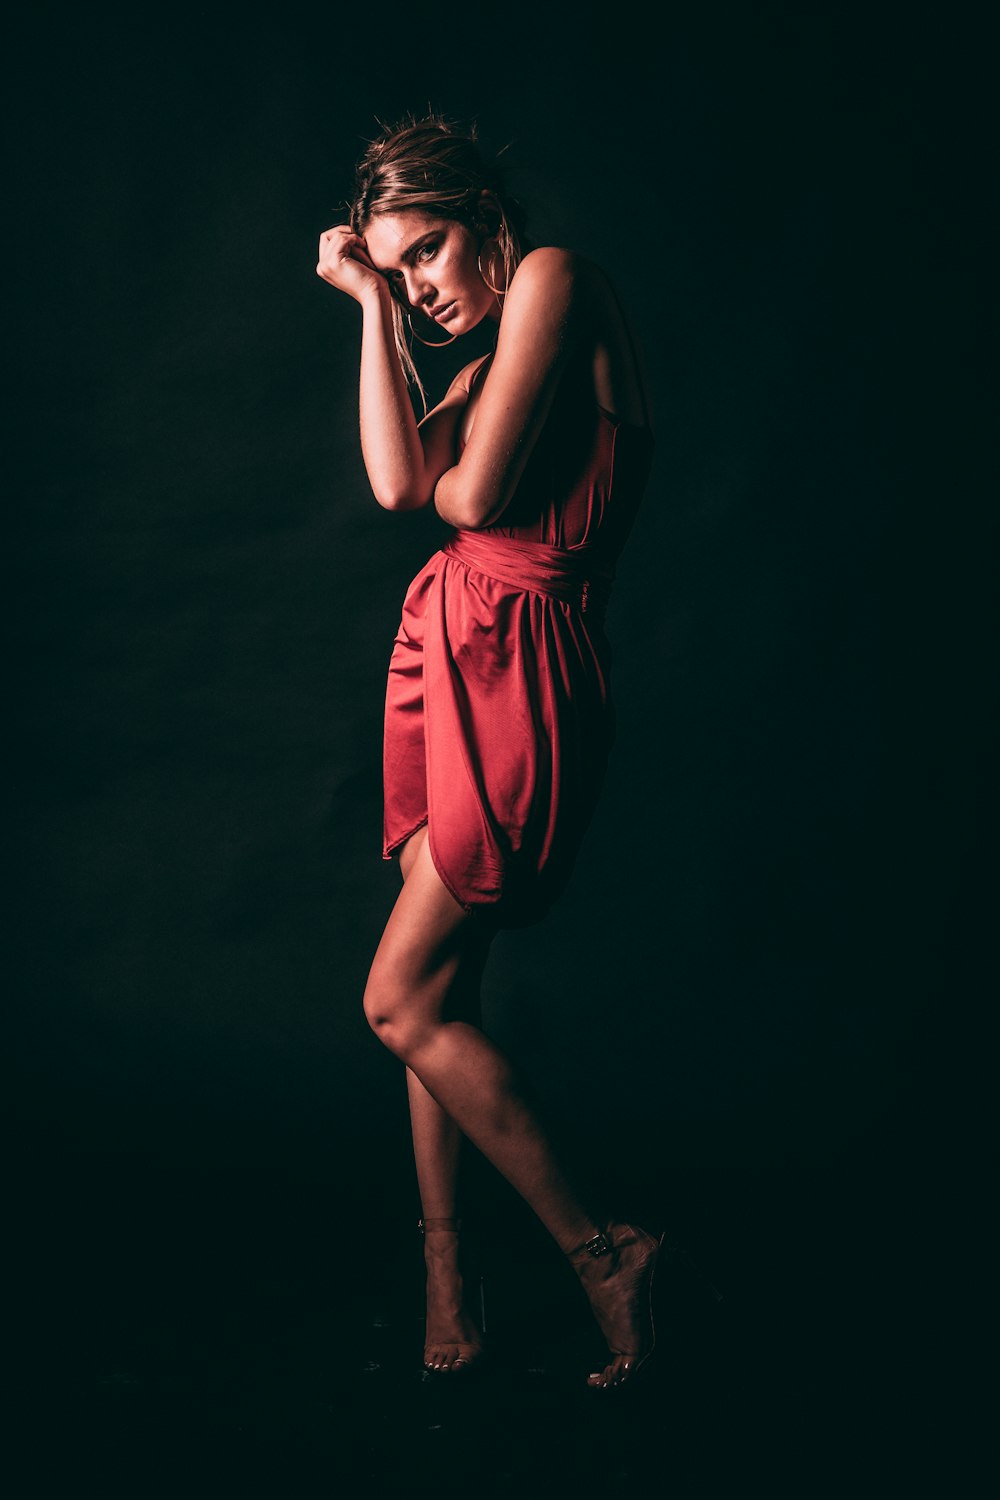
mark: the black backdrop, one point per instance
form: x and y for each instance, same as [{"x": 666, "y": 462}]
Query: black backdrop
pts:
[{"x": 757, "y": 1011}]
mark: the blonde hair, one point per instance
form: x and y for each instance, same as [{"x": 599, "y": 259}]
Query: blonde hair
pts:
[{"x": 434, "y": 165}]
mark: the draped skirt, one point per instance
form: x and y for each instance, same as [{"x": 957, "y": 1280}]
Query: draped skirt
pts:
[{"x": 499, "y": 718}]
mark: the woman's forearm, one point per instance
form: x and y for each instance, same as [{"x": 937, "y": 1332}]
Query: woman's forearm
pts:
[{"x": 390, "y": 442}]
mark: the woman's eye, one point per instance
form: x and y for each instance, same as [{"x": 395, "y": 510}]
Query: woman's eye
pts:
[{"x": 427, "y": 251}]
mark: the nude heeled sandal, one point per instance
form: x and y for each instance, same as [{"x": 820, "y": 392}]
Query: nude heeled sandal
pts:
[
  {"x": 621, "y": 1296},
  {"x": 471, "y": 1353}
]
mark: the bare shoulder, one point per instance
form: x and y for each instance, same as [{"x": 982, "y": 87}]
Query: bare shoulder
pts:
[
  {"x": 571, "y": 300},
  {"x": 557, "y": 275},
  {"x": 548, "y": 290},
  {"x": 547, "y": 269},
  {"x": 550, "y": 262}
]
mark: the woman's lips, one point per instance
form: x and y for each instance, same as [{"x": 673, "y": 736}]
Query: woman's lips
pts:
[{"x": 443, "y": 312}]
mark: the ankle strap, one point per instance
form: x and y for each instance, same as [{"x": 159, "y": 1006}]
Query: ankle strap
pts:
[
  {"x": 598, "y": 1244},
  {"x": 431, "y": 1224},
  {"x": 614, "y": 1237}
]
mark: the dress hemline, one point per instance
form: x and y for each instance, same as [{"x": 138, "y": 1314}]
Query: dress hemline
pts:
[{"x": 389, "y": 851}]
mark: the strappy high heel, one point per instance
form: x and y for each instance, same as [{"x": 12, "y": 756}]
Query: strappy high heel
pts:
[
  {"x": 617, "y": 1268},
  {"x": 470, "y": 1352}
]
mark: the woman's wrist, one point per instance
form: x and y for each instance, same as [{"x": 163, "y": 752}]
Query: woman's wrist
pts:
[{"x": 376, "y": 299}]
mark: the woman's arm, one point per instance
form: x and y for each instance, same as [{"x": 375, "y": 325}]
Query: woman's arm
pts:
[
  {"x": 404, "y": 461},
  {"x": 541, "y": 327}
]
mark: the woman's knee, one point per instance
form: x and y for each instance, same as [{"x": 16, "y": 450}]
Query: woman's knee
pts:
[
  {"x": 429, "y": 963},
  {"x": 399, "y": 1020},
  {"x": 379, "y": 1003}
]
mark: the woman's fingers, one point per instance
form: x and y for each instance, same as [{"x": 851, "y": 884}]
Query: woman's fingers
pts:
[
  {"x": 344, "y": 261},
  {"x": 360, "y": 252},
  {"x": 344, "y": 240}
]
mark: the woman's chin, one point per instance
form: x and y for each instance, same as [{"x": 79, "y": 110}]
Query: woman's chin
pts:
[
  {"x": 465, "y": 322},
  {"x": 460, "y": 321}
]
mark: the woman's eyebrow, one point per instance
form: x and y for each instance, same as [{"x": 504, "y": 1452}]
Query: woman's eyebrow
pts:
[{"x": 408, "y": 252}]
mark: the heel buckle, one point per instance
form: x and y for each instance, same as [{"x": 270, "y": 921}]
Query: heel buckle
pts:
[{"x": 599, "y": 1245}]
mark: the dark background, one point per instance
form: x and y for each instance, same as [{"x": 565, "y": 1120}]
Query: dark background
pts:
[{"x": 758, "y": 1015}]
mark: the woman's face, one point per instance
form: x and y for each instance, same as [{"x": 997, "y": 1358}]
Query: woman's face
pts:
[{"x": 431, "y": 263}]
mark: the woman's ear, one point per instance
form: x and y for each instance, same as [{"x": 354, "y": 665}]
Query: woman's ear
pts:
[{"x": 488, "y": 215}]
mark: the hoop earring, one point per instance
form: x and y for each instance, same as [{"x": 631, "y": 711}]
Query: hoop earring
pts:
[
  {"x": 496, "y": 290},
  {"x": 430, "y": 343}
]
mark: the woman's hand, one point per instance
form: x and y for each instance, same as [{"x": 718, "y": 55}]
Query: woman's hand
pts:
[{"x": 345, "y": 263}]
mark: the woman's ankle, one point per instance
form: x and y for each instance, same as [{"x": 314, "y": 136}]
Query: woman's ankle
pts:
[{"x": 578, "y": 1235}]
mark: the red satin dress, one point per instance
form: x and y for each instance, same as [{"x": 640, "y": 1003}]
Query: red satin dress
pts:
[{"x": 498, "y": 715}]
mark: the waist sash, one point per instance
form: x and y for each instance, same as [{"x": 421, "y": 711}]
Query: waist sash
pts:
[{"x": 572, "y": 574}]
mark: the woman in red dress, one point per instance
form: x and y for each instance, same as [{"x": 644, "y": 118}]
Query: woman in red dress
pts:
[{"x": 498, "y": 714}]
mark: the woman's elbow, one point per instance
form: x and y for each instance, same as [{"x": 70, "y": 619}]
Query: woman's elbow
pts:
[
  {"x": 475, "y": 518},
  {"x": 399, "y": 500},
  {"x": 467, "y": 513}
]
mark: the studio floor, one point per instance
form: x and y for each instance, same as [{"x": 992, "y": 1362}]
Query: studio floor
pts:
[{"x": 191, "y": 1336}]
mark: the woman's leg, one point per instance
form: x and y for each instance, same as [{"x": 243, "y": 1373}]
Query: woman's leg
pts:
[
  {"x": 437, "y": 1140},
  {"x": 437, "y": 1149},
  {"x": 422, "y": 961},
  {"x": 421, "y": 964}
]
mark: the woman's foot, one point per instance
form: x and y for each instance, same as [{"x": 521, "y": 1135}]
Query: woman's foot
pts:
[
  {"x": 453, "y": 1341},
  {"x": 616, "y": 1269}
]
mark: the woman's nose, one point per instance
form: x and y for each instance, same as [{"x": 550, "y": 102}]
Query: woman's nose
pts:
[{"x": 418, "y": 289}]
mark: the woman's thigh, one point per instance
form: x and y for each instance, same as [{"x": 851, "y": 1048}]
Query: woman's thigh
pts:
[
  {"x": 408, "y": 852},
  {"x": 431, "y": 955}
]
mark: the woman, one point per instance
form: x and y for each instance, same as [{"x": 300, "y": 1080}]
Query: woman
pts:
[{"x": 498, "y": 716}]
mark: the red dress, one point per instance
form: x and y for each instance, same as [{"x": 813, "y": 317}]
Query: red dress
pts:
[{"x": 498, "y": 713}]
